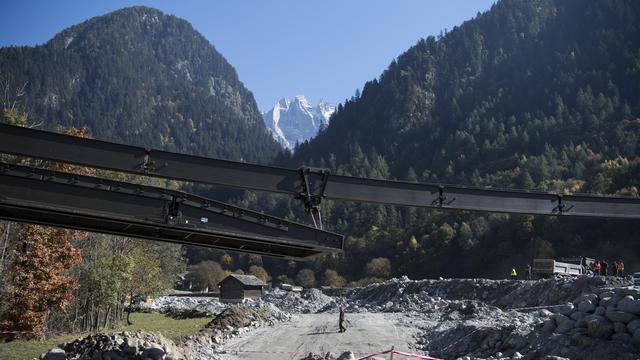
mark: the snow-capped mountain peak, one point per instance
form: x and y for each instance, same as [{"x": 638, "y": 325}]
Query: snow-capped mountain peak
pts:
[
  {"x": 283, "y": 104},
  {"x": 296, "y": 121}
]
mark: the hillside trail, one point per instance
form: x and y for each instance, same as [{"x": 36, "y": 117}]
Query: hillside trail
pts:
[{"x": 318, "y": 333}]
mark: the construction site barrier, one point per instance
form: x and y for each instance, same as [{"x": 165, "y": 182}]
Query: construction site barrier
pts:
[
  {"x": 536, "y": 307},
  {"x": 393, "y": 351},
  {"x": 364, "y": 356}
]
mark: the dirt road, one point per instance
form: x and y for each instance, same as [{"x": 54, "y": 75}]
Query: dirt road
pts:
[{"x": 318, "y": 333}]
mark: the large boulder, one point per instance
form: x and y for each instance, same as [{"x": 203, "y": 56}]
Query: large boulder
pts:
[
  {"x": 567, "y": 309},
  {"x": 600, "y": 311},
  {"x": 619, "y": 327},
  {"x": 544, "y": 313},
  {"x": 347, "y": 356},
  {"x": 565, "y": 327},
  {"x": 586, "y": 306},
  {"x": 559, "y": 319},
  {"x": 605, "y": 301},
  {"x": 590, "y": 297},
  {"x": 636, "y": 337},
  {"x": 633, "y": 325},
  {"x": 577, "y": 316},
  {"x": 609, "y": 300},
  {"x": 599, "y": 328},
  {"x": 154, "y": 352},
  {"x": 620, "y": 316},
  {"x": 630, "y": 305},
  {"x": 130, "y": 346},
  {"x": 548, "y": 326},
  {"x": 621, "y": 337},
  {"x": 606, "y": 293},
  {"x": 577, "y": 340},
  {"x": 55, "y": 354},
  {"x": 582, "y": 323},
  {"x": 633, "y": 291},
  {"x": 578, "y": 331}
]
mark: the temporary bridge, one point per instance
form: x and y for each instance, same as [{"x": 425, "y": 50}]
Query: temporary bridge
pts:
[{"x": 33, "y": 195}]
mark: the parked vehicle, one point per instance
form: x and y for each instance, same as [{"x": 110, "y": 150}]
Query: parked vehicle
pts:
[
  {"x": 636, "y": 279},
  {"x": 292, "y": 288},
  {"x": 543, "y": 268}
]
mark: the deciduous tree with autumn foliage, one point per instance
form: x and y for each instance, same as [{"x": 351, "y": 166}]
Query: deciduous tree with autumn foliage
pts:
[
  {"x": 38, "y": 274},
  {"x": 42, "y": 257}
]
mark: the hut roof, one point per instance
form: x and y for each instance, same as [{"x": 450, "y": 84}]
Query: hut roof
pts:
[{"x": 245, "y": 280}]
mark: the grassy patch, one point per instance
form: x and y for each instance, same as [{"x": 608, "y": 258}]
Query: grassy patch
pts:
[
  {"x": 171, "y": 328},
  {"x": 165, "y": 325}
]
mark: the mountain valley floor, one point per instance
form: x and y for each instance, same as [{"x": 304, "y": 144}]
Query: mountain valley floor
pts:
[{"x": 574, "y": 318}]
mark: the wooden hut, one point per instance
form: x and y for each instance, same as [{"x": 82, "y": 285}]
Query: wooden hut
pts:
[{"x": 235, "y": 288}]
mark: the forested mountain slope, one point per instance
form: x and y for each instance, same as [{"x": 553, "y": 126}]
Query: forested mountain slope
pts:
[
  {"x": 545, "y": 87},
  {"x": 140, "y": 77},
  {"x": 134, "y": 76},
  {"x": 540, "y": 95}
]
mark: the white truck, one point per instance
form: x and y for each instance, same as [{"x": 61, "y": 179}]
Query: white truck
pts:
[{"x": 543, "y": 268}]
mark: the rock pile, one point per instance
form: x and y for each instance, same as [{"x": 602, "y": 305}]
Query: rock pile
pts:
[
  {"x": 596, "y": 325},
  {"x": 236, "y": 317},
  {"x": 407, "y": 295},
  {"x": 125, "y": 346},
  {"x": 166, "y": 304},
  {"x": 610, "y": 314},
  {"x": 186, "y": 307},
  {"x": 309, "y": 301},
  {"x": 474, "y": 329}
]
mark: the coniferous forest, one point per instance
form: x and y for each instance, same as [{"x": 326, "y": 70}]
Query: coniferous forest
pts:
[{"x": 537, "y": 95}]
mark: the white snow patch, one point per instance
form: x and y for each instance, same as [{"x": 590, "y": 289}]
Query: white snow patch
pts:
[
  {"x": 183, "y": 66},
  {"x": 212, "y": 82},
  {"x": 150, "y": 18},
  {"x": 68, "y": 41}
]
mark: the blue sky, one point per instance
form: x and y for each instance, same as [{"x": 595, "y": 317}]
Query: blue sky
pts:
[{"x": 322, "y": 49}]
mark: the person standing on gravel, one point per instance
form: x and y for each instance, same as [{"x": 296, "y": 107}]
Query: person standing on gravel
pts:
[
  {"x": 514, "y": 273},
  {"x": 528, "y": 271},
  {"x": 341, "y": 320}
]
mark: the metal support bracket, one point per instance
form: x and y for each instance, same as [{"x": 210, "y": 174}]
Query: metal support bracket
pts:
[
  {"x": 150, "y": 166},
  {"x": 309, "y": 198},
  {"x": 173, "y": 211},
  {"x": 561, "y": 208},
  {"x": 441, "y": 200}
]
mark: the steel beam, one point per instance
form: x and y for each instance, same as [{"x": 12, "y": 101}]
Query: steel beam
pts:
[
  {"x": 87, "y": 203},
  {"x": 449, "y": 197},
  {"x": 100, "y": 154}
]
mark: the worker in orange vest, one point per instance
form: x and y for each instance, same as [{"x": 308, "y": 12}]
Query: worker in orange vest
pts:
[
  {"x": 597, "y": 267},
  {"x": 621, "y": 265}
]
